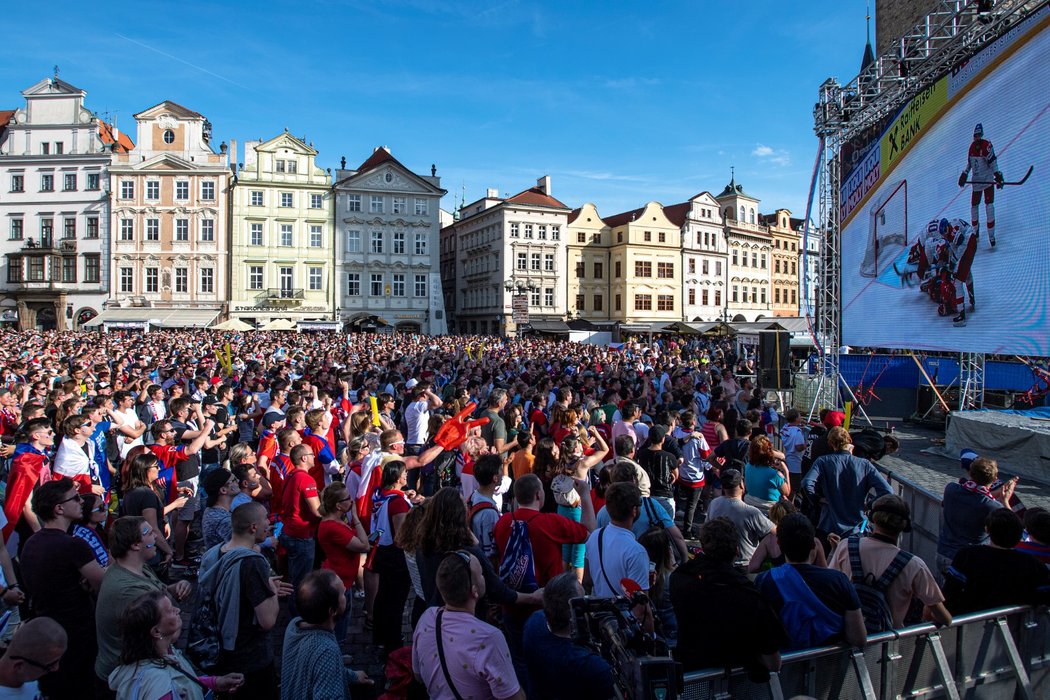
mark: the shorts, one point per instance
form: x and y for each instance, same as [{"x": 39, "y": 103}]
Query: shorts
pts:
[
  {"x": 188, "y": 511},
  {"x": 572, "y": 553}
]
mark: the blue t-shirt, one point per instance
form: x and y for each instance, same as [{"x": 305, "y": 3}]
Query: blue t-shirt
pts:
[
  {"x": 559, "y": 669},
  {"x": 962, "y": 519},
  {"x": 649, "y": 515},
  {"x": 763, "y": 482},
  {"x": 98, "y": 437}
]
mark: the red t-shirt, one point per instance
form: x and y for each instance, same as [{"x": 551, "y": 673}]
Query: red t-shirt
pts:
[
  {"x": 333, "y": 537},
  {"x": 295, "y": 513},
  {"x": 547, "y": 532},
  {"x": 169, "y": 455}
]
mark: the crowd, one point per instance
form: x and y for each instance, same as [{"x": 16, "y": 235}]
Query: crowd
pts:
[{"x": 452, "y": 494}]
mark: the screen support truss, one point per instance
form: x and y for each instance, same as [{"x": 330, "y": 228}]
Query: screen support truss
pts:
[{"x": 971, "y": 381}]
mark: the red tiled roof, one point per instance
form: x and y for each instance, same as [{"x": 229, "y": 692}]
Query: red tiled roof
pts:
[
  {"x": 123, "y": 144},
  {"x": 536, "y": 197},
  {"x": 621, "y": 219},
  {"x": 678, "y": 213},
  {"x": 378, "y": 157},
  {"x": 5, "y": 116}
]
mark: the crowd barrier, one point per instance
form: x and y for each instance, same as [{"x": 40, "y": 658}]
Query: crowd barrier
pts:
[{"x": 1003, "y": 653}]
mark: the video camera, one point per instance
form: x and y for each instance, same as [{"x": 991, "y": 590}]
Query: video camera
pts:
[{"x": 641, "y": 663}]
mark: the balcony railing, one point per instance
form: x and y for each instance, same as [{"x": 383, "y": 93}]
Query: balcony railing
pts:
[{"x": 281, "y": 294}]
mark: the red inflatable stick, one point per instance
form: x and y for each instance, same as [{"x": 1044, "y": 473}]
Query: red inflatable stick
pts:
[{"x": 455, "y": 430}]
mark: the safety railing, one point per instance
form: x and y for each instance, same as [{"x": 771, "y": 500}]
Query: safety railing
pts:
[{"x": 1002, "y": 653}]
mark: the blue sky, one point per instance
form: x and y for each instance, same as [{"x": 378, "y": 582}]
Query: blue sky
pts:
[{"x": 620, "y": 101}]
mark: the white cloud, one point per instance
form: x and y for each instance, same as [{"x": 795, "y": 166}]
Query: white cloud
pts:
[
  {"x": 762, "y": 151},
  {"x": 771, "y": 155}
]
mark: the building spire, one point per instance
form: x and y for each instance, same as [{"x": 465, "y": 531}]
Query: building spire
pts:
[{"x": 869, "y": 55}]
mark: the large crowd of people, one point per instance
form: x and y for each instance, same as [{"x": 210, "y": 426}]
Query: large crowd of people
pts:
[{"x": 451, "y": 496}]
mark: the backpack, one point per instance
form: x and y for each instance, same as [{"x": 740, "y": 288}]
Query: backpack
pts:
[
  {"x": 477, "y": 508},
  {"x": 518, "y": 568},
  {"x": 205, "y": 638},
  {"x": 808, "y": 621},
  {"x": 872, "y": 592},
  {"x": 444, "y": 465}
]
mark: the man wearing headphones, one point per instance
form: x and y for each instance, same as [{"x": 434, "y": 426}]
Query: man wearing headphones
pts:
[{"x": 890, "y": 516}]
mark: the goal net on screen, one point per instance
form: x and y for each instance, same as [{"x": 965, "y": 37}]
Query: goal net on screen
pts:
[{"x": 887, "y": 229}]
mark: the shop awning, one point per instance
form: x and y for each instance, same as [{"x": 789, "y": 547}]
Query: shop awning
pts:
[
  {"x": 143, "y": 317},
  {"x": 320, "y": 325},
  {"x": 553, "y": 326}
]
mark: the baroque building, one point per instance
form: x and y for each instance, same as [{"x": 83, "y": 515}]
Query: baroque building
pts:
[
  {"x": 704, "y": 257},
  {"x": 750, "y": 247},
  {"x": 645, "y": 251}
]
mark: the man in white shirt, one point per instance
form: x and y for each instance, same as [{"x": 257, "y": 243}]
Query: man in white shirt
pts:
[
  {"x": 613, "y": 553},
  {"x": 124, "y": 410},
  {"x": 417, "y": 419}
]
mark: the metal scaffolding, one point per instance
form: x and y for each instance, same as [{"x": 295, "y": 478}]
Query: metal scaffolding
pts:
[{"x": 953, "y": 32}]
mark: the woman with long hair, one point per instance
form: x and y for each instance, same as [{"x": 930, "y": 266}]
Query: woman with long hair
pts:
[
  {"x": 141, "y": 498},
  {"x": 408, "y": 539},
  {"x": 572, "y": 490},
  {"x": 766, "y": 478},
  {"x": 248, "y": 413},
  {"x": 545, "y": 466},
  {"x": 151, "y": 666},
  {"x": 659, "y": 547},
  {"x": 385, "y": 403},
  {"x": 343, "y": 540},
  {"x": 91, "y": 526}
]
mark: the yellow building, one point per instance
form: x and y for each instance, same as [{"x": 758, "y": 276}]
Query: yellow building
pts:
[
  {"x": 784, "y": 275},
  {"x": 282, "y": 248},
  {"x": 587, "y": 248},
  {"x": 645, "y": 251}
]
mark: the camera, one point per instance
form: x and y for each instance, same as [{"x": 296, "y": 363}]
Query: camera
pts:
[{"x": 641, "y": 663}]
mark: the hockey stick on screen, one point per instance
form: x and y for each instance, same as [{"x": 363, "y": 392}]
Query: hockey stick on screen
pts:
[{"x": 1017, "y": 182}]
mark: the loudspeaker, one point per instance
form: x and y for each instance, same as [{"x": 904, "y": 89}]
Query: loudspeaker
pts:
[{"x": 774, "y": 359}]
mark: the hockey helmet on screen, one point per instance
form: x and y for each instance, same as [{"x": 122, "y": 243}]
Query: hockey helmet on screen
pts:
[
  {"x": 933, "y": 228},
  {"x": 978, "y": 131}
]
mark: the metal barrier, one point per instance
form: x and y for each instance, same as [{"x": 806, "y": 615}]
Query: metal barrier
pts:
[{"x": 1003, "y": 653}]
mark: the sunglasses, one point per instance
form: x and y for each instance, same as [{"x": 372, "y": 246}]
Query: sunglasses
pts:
[{"x": 46, "y": 668}]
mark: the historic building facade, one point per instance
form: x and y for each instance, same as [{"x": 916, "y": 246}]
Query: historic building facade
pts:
[
  {"x": 785, "y": 273},
  {"x": 54, "y": 208},
  {"x": 587, "y": 251},
  {"x": 282, "y": 246},
  {"x": 169, "y": 220},
  {"x": 750, "y": 247},
  {"x": 704, "y": 257},
  {"x": 645, "y": 251},
  {"x": 388, "y": 251}
]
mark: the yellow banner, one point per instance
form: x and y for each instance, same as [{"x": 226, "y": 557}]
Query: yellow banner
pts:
[{"x": 909, "y": 124}]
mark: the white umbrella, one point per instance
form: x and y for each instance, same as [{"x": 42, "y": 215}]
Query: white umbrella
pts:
[
  {"x": 234, "y": 324},
  {"x": 280, "y": 324}
]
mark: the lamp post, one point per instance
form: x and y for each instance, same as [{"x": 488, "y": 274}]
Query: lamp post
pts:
[{"x": 520, "y": 287}]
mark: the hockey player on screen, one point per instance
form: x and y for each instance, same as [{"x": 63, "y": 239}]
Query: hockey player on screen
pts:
[
  {"x": 951, "y": 261},
  {"x": 982, "y": 169}
]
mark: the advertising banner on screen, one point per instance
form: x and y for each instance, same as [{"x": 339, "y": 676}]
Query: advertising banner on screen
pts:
[{"x": 946, "y": 217}]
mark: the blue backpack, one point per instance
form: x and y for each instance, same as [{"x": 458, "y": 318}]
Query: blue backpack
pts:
[
  {"x": 807, "y": 620},
  {"x": 518, "y": 568}
]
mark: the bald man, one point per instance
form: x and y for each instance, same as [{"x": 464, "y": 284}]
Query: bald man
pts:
[{"x": 34, "y": 652}]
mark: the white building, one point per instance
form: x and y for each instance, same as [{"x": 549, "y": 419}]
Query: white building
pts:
[
  {"x": 809, "y": 268},
  {"x": 750, "y": 249},
  {"x": 705, "y": 254},
  {"x": 387, "y": 259},
  {"x": 506, "y": 248},
  {"x": 54, "y": 211}
]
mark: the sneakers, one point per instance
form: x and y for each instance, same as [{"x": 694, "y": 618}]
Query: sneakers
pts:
[
  {"x": 960, "y": 320},
  {"x": 991, "y": 238}
]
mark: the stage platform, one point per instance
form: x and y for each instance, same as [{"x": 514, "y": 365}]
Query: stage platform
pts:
[{"x": 1019, "y": 440}]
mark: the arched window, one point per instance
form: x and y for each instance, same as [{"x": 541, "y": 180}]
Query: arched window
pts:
[
  {"x": 743, "y": 217},
  {"x": 752, "y": 216}
]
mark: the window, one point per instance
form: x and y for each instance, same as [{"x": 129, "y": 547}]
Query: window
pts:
[
  {"x": 776, "y": 266},
  {"x": 581, "y": 237},
  {"x": 286, "y": 236},
  {"x": 548, "y": 262},
  {"x": 36, "y": 269},
  {"x": 59, "y": 147},
  {"x": 353, "y": 202},
  {"x": 255, "y": 234},
  {"x": 399, "y": 242},
  {"x": 316, "y": 201},
  {"x": 316, "y": 238},
  {"x": 528, "y": 230},
  {"x": 617, "y": 270},
  {"x": 69, "y": 228},
  {"x": 353, "y": 241},
  {"x": 18, "y": 183},
  {"x": 92, "y": 268},
  {"x": 255, "y": 277},
  {"x": 278, "y": 166},
  {"x": 287, "y": 200},
  {"x": 69, "y": 182},
  {"x": 581, "y": 269},
  {"x": 293, "y": 166},
  {"x": 256, "y": 198},
  {"x": 152, "y": 277},
  {"x": 534, "y": 298},
  {"x": 315, "y": 276},
  {"x": 734, "y": 294},
  {"x": 514, "y": 230},
  {"x": 763, "y": 290},
  {"x": 556, "y": 232},
  {"x": 127, "y": 280},
  {"x": 596, "y": 237},
  {"x": 14, "y": 272},
  {"x": 182, "y": 190},
  {"x": 127, "y": 229},
  {"x": 353, "y": 284},
  {"x": 776, "y": 295},
  {"x": 598, "y": 302},
  {"x": 523, "y": 261},
  {"x": 69, "y": 269},
  {"x": 534, "y": 262},
  {"x": 735, "y": 258},
  {"x": 399, "y": 205},
  {"x": 754, "y": 259},
  {"x": 152, "y": 190},
  {"x": 647, "y": 236},
  {"x": 763, "y": 260},
  {"x": 47, "y": 230},
  {"x": 703, "y": 266},
  {"x": 643, "y": 302},
  {"x": 207, "y": 280},
  {"x": 541, "y": 232},
  {"x": 718, "y": 268},
  {"x": 617, "y": 302},
  {"x": 182, "y": 229},
  {"x": 691, "y": 297},
  {"x": 182, "y": 280},
  {"x": 47, "y": 182},
  {"x": 398, "y": 285},
  {"x": 208, "y": 190},
  {"x": 92, "y": 227},
  {"x": 665, "y": 302},
  {"x": 718, "y": 297},
  {"x": 692, "y": 266},
  {"x": 421, "y": 286},
  {"x": 619, "y": 236},
  {"x": 375, "y": 287},
  {"x": 18, "y": 229},
  {"x": 45, "y": 148},
  {"x": 743, "y": 259},
  {"x": 643, "y": 268},
  {"x": 754, "y": 295},
  {"x": 665, "y": 270},
  {"x": 169, "y": 136},
  {"x": 421, "y": 243},
  {"x": 661, "y": 236},
  {"x": 703, "y": 297},
  {"x": 208, "y": 229},
  {"x": 548, "y": 296},
  {"x": 375, "y": 204},
  {"x": 794, "y": 296},
  {"x": 581, "y": 302},
  {"x": 377, "y": 242},
  {"x": 599, "y": 270},
  {"x": 422, "y": 206},
  {"x": 752, "y": 219},
  {"x": 794, "y": 267},
  {"x": 152, "y": 229}
]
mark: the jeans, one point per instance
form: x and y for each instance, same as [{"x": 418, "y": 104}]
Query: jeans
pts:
[
  {"x": 667, "y": 502},
  {"x": 690, "y": 501},
  {"x": 412, "y": 475},
  {"x": 300, "y": 561},
  {"x": 343, "y": 622}
]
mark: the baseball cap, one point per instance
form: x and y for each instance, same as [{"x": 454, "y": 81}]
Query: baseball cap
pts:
[
  {"x": 892, "y": 504},
  {"x": 215, "y": 480},
  {"x": 272, "y": 418},
  {"x": 411, "y": 383},
  {"x": 731, "y": 478},
  {"x": 211, "y": 400},
  {"x": 966, "y": 458}
]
